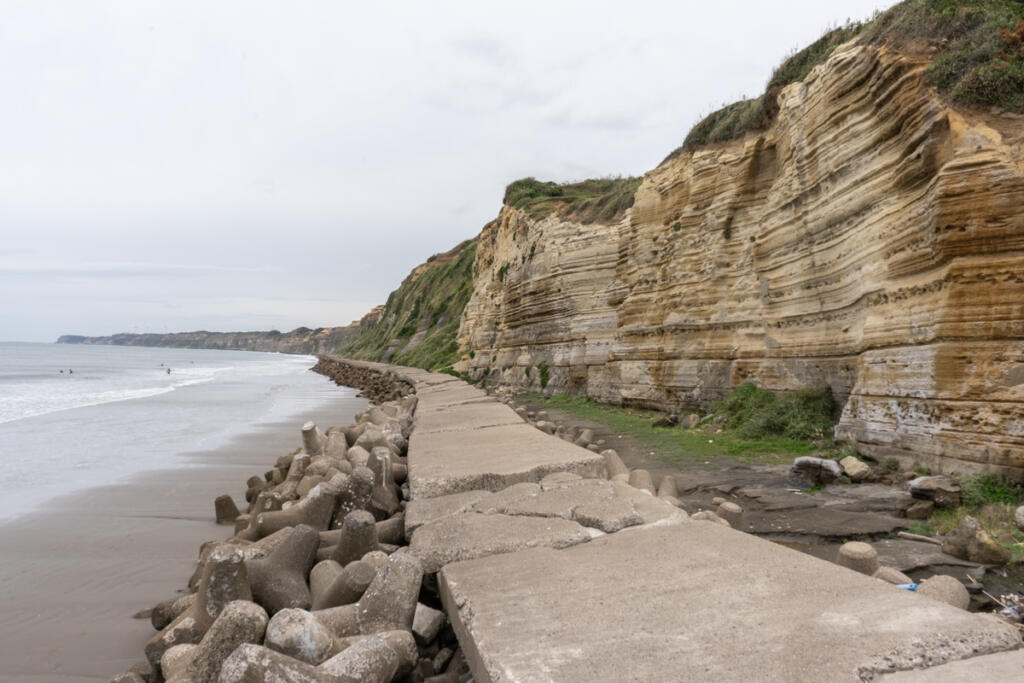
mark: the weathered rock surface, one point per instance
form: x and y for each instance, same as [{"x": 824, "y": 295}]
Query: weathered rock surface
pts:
[{"x": 868, "y": 239}]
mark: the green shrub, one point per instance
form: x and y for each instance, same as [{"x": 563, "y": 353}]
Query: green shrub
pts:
[
  {"x": 989, "y": 488},
  {"x": 597, "y": 199},
  {"x": 891, "y": 464},
  {"x": 756, "y": 413},
  {"x": 544, "y": 376},
  {"x": 978, "y": 60}
]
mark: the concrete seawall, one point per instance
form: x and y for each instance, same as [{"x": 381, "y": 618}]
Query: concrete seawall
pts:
[{"x": 551, "y": 572}]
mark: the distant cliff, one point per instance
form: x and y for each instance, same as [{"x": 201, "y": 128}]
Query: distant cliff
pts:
[
  {"x": 300, "y": 340},
  {"x": 417, "y": 326}
]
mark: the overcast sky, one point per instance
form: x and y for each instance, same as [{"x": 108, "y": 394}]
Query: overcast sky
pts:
[{"x": 171, "y": 166}]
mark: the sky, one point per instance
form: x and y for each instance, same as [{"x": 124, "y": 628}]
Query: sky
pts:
[{"x": 255, "y": 165}]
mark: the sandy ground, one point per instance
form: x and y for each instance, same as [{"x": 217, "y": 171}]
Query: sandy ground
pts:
[{"x": 71, "y": 577}]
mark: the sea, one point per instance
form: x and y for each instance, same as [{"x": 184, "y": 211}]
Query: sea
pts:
[{"x": 77, "y": 416}]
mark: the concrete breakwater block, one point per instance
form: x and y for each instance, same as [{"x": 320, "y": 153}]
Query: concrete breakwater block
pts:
[
  {"x": 491, "y": 458},
  {"x": 695, "y": 601}
]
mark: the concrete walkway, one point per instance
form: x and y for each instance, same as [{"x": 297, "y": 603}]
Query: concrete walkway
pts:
[{"x": 549, "y": 572}]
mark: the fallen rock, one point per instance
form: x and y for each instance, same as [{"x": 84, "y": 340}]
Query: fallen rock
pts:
[
  {"x": 690, "y": 421},
  {"x": 970, "y": 541},
  {"x": 1018, "y": 517},
  {"x": 670, "y": 420},
  {"x": 945, "y": 589},
  {"x": 808, "y": 470},
  {"x": 427, "y": 623},
  {"x": 920, "y": 509},
  {"x": 854, "y": 468},
  {"x": 940, "y": 489}
]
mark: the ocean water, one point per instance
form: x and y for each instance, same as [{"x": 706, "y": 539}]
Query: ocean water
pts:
[{"x": 75, "y": 416}]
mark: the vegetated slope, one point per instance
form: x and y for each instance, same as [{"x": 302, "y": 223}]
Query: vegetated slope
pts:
[
  {"x": 300, "y": 340},
  {"x": 418, "y": 323},
  {"x": 975, "y": 48},
  {"x": 867, "y": 237}
]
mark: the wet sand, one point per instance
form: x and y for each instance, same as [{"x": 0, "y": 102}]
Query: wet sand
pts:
[{"x": 72, "y": 576}]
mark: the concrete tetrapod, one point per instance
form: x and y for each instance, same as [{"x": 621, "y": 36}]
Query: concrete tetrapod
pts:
[
  {"x": 375, "y": 659},
  {"x": 389, "y": 603},
  {"x": 358, "y": 537},
  {"x": 860, "y": 557},
  {"x": 279, "y": 580},
  {"x": 321, "y": 576},
  {"x": 225, "y": 510},
  {"x": 348, "y": 586},
  {"x": 298, "y": 634},
  {"x": 312, "y": 439},
  {"x": 355, "y": 494},
  {"x": 224, "y": 580},
  {"x": 239, "y": 622},
  {"x": 315, "y": 510}
]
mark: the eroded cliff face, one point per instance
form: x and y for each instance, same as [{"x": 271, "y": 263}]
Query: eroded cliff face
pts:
[{"x": 871, "y": 239}]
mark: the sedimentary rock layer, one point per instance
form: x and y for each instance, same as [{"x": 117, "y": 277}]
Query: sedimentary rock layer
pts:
[{"x": 872, "y": 239}]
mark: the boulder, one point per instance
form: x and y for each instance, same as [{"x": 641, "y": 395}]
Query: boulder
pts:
[
  {"x": 1018, "y": 517},
  {"x": 691, "y": 421},
  {"x": 945, "y": 589},
  {"x": 940, "y": 489},
  {"x": 855, "y": 469},
  {"x": 809, "y": 470},
  {"x": 708, "y": 516},
  {"x": 969, "y": 541}
]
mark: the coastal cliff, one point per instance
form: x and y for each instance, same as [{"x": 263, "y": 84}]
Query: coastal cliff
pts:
[
  {"x": 300, "y": 340},
  {"x": 869, "y": 239}
]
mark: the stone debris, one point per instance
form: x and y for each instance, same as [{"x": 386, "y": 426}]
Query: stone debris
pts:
[
  {"x": 808, "y": 470},
  {"x": 945, "y": 589},
  {"x": 940, "y": 489},
  {"x": 860, "y": 557},
  {"x": 970, "y": 541}
]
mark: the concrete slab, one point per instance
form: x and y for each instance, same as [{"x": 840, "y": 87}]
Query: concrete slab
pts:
[
  {"x": 462, "y": 417},
  {"x": 447, "y": 394},
  {"x": 426, "y": 510},
  {"x": 491, "y": 459},
  {"x": 470, "y": 535},
  {"x": 998, "y": 668},
  {"x": 695, "y": 601}
]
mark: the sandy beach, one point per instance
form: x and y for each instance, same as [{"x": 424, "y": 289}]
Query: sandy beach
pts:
[{"x": 72, "y": 576}]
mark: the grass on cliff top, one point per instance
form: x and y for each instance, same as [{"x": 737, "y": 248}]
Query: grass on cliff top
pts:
[
  {"x": 979, "y": 60},
  {"x": 589, "y": 201},
  {"x": 433, "y": 302},
  {"x": 674, "y": 443}
]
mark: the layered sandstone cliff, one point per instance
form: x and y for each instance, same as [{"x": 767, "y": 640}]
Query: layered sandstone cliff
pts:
[{"x": 871, "y": 239}]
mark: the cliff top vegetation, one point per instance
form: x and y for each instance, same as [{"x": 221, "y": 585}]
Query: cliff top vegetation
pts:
[
  {"x": 588, "y": 201},
  {"x": 978, "y": 60}
]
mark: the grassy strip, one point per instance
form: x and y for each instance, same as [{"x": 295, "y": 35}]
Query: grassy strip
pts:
[
  {"x": 598, "y": 199},
  {"x": 990, "y": 499},
  {"x": 674, "y": 443},
  {"x": 978, "y": 62}
]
